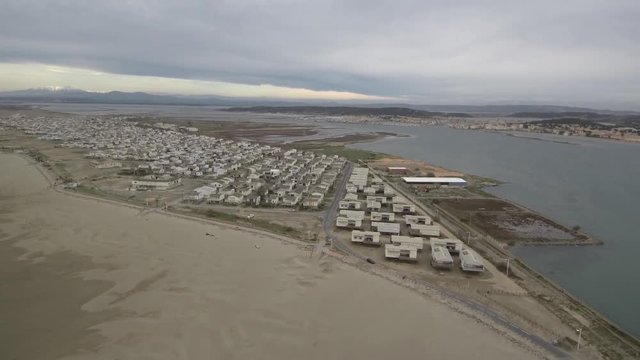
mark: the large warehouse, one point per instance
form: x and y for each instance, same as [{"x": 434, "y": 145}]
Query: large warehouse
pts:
[{"x": 450, "y": 181}]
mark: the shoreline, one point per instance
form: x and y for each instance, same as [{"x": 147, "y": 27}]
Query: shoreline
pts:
[
  {"x": 606, "y": 320},
  {"x": 484, "y": 184},
  {"x": 515, "y": 133},
  {"x": 406, "y": 281},
  {"x": 392, "y": 277},
  {"x": 620, "y": 334}
]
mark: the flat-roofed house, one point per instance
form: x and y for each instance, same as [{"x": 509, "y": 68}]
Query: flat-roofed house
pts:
[
  {"x": 440, "y": 258},
  {"x": 359, "y": 177},
  {"x": 470, "y": 261},
  {"x": 401, "y": 252},
  {"x": 383, "y": 216},
  {"x": 417, "y": 219},
  {"x": 351, "y": 197},
  {"x": 416, "y": 241},
  {"x": 425, "y": 230},
  {"x": 440, "y": 181},
  {"x": 369, "y": 190},
  {"x": 454, "y": 246},
  {"x": 313, "y": 200},
  {"x": 344, "y": 222},
  {"x": 373, "y": 205},
  {"x": 366, "y": 237},
  {"x": 386, "y": 228},
  {"x": 349, "y": 205},
  {"x": 352, "y": 214},
  {"x": 404, "y": 208},
  {"x": 378, "y": 198}
]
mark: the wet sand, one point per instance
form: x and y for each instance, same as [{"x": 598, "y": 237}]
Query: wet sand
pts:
[{"x": 84, "y": 279}]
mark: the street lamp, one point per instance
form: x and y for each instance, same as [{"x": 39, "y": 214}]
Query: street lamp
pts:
[{"x": 579, "y": 338}]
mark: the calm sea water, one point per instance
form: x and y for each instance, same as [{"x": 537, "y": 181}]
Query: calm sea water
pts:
[{"x": 587, "y": 182}]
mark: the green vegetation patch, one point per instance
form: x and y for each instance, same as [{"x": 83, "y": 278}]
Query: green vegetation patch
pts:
[{"x": 348, "y": 153}]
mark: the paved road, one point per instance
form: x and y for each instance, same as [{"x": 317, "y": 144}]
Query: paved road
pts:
[
  {"x": 330, "y": 216},
  {"x": 328, "y": 224}
]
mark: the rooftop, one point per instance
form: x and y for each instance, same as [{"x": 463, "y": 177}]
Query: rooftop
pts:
[{"x": 434, "y": 180}]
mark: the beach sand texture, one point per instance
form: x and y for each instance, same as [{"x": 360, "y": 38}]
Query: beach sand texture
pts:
[{"x": 82, "y": 278}]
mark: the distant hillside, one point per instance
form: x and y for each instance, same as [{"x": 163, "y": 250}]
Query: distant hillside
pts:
[
  {"x": 325, "y": 107},
  {"x": 501, "y": 110},
  {"x": 46, "y": 95},
  {"x": 550, "y": 115},
  {"x": 616, "y": 119},
  {"x": 345, "y": 111},
  {"x": 571, "y": 121},
  {"x": 112, "y": 97},
  {"x": 602, "y": 124}
]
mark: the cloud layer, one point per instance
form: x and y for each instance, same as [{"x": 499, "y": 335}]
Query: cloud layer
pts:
[{"x": 574, "y": 51}]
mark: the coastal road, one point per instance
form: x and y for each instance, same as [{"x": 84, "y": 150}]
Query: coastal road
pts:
[{"x": 328, "y": 224}]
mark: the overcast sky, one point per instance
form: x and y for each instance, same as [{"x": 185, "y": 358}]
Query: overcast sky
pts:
[{"x": 578, "y": 52}]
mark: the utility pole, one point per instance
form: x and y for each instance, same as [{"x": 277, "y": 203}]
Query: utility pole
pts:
[
  {"x": 579, "y": 338},
  {"x": 508, "y": 266}
]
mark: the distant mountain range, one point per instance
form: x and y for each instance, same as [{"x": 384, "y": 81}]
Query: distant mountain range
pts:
[
  {"x": 346, "y": 110},
  {"x": 67, "y": 95}
]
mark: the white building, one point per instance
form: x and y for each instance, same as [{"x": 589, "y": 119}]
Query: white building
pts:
[
  {"x": 417, "y": 219},
  {"x": 404, "y": 208},
  {"x": 383, "y": 216},
  {"x": 349, "y": 205},
  {"x": 416, "y": 241},
  {"x": 386, "y": 228},
  {"x": 365, "y": 237},
  {"x": 440, "y": 258},
  {"x": 314, "y": 200},
  {"x": 425, "y": 230},
  {"x": 401, "y": 252},
  {"x": 352, "y": 214},
  {"x": 470, "y": 262},
  {"x": 373, "y": 206},
  {"x": 343, "y": 222},
  {"x": 454, "y": 246},
  {"x": 378, "y": 198},
  {"x": 441, "y": 181}
]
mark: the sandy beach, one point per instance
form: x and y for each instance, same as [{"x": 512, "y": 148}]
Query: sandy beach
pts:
[{"x": 83, "y": 278}]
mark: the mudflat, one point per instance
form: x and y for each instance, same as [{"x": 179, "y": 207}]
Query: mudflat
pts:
[{"x": 88, "y": 279}]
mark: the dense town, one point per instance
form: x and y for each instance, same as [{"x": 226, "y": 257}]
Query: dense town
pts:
[
  {"x": 558, "y": 127},
  {"x": 159, "y": 156}
]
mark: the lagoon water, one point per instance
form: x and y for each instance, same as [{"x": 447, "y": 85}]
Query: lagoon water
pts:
[
  {"x": 587, "y": 182},
  {"x": 576, "y": 181}
]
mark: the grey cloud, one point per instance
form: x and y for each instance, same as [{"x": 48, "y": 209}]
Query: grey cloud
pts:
[{"x": 431, "y": 51}]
